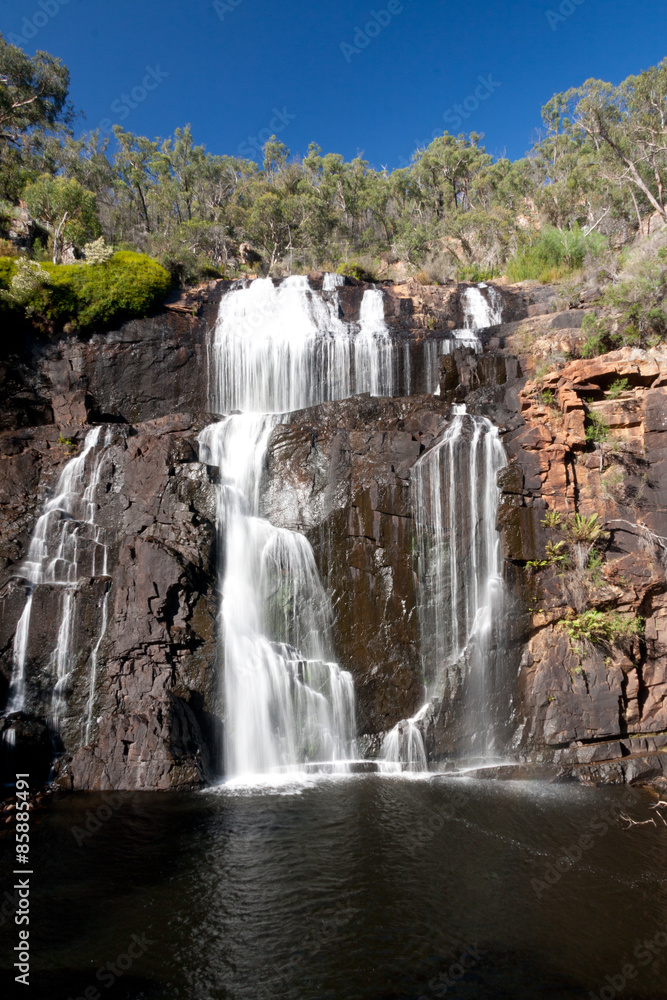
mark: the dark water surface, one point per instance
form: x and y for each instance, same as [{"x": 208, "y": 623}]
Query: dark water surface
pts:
[{"x": 366, "y": 887}]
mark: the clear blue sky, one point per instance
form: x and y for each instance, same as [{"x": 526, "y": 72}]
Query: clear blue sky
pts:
[{"x": 226, "y": 70}]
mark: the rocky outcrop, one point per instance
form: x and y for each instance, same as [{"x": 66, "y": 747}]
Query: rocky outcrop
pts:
[
  {"x": 578, "y": 694},
  {"x": 147, "y": 719}
]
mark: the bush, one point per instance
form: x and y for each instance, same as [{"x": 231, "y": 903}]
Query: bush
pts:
[
  {"x": 7, "y": 268},
  {"x": 96, "y": 297},
  {"x": 604, "y": 627},
  {"x": 476, "y": 273},
  {"x": 554, "y": 253},
  {"x": 356, "y": 270}
]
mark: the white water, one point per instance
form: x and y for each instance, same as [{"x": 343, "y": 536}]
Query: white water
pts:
[
  {"x": 403, "y": 746},
  {"x": 455, "y": 500},
  {"x": 280, "y": 348},
  {"x": 66, "y": 545},
  {"x": 373, "y": 348},
  {"x": 481, "y": 310}
]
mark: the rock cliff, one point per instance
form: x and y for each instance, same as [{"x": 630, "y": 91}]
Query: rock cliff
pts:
[{"x": 143, "y": 699}]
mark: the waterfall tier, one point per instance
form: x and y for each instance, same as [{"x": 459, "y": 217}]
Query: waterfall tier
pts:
[{"x": 66, "y": 547}]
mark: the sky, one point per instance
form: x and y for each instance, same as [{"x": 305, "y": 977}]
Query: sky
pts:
[{"x": 355, "y": 77}]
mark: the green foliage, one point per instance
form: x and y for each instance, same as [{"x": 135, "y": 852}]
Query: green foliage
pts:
[
  {"x": 28, "y": 279},
  {"x": 552, "y": 519},
  {"x": 547, "y": 397},
  {"x": 98, "y": 252},
  {"x": 452, "y": 211},
  {"x": 7, "y": 268},
  {"x": 353, "y": 269},
  {"x": 67, "y": 443},
  {"x": 579, "y": 528},
  {"x": 597, "y": 429},
  {"x": 554, "y": 253},
  {"x": 67, "y": 209},
  {"x": 641, "y": 301},
  {"x": 602, "y": 627},
  {"x": 476, "y": 273},
  {"x": 596, "y": 333},
  {"x": 617, "y": 388},
  {"x": 86, "y": 298}
]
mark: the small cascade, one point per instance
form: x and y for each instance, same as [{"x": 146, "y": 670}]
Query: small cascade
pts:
[
  {"x": 403, "y": 746},
  {"x": 332, "y": 281},
  {"x": 280, "y": 348},
  {"x": 373, "y": 348},
  {"x": 67, "y": 545},
  {"x": 482, "y": 307}
]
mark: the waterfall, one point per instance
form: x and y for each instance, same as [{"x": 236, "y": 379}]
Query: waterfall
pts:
[
  {"x": 66, "y": 545},
  {"x": 403, "y": 746},
  {"x": 482, "y": 307},
  {"x": 373, "y": 348},
  {"x": 278, "y": 348},
  {"x": 455, "y": 501},
  {"x": 331, "y": 281}
]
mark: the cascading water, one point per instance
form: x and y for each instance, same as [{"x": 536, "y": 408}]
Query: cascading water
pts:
[
  {"x": 280, "y": 348},
  {"x": 373, "y": 348},
  {"x": 482, "y": 307},
  {"x": 455, "y": 500},
  {"x": 66, "y": 544}
]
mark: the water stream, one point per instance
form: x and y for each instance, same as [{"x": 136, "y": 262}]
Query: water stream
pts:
[
  {"x": 455, "y": 502},
  {"x": 67, "y": 545}
]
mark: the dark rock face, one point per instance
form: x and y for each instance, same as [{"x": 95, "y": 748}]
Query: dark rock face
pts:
[
  {"x": 340, "y": 473},
  {"x": 155, "y": 695}
]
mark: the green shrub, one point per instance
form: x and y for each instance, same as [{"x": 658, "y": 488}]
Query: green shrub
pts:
[
  {"x": 641, "y": 300},
  {"x": 476, "y": 273},
  {"x": 598, "y": 429},
  {"x": 96, "y": 297},
  {"x": 597, "y": 336},
  {"x": 554, "y": 253},
  {"x": 605, "y": 627},
  {"x": 617, "y": 388},
  {"x": 353, "y": 269},
  {"x": 7, "y": 268}
]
